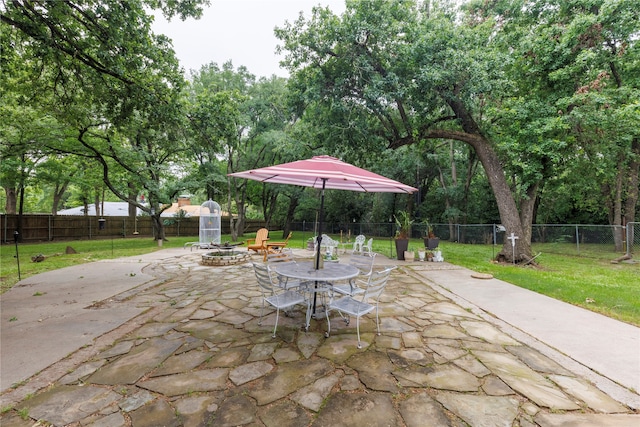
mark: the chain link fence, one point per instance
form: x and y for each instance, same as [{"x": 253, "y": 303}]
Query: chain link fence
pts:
[{"x": 598, "y": 241}]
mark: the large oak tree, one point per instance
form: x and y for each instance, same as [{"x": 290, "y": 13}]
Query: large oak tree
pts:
[
  {"x": 106, "y": 75},
  {"x": 414, "y": 68}
]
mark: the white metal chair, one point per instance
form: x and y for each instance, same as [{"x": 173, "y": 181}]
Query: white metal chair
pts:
[
  {"x": 358, "y": 244},
  {"x": 328, "y": 244},
  {"x": 365, "y": 265},
  {"x": 349, "y": 306},
  {"x": 285, "y": 256},
  {"x": 368, "y": 248},
  {"x": 274, "y": 295}
]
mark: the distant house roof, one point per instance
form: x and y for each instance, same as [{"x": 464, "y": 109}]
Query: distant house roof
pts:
[
  {"x": 110, "y": 209},
  {"x": 191, "y": 210},
  {"x": 122, "y": 209}
]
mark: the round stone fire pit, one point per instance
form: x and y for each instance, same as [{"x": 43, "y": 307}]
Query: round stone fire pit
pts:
[{"x": 222, "y": 258}]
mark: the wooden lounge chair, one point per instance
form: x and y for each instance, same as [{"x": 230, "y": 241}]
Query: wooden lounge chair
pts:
[
  {"x": 275, "y": 247},
  {"x": 259, "y": 244}
]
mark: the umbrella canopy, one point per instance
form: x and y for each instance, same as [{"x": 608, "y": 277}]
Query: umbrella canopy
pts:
[{"x": 326, "y": 172}]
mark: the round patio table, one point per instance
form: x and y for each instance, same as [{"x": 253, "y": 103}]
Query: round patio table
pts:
[{"x": 321, "y": 278}]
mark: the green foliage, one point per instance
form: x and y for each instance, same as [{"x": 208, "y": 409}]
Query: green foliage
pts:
[
  {"x": 403, "y": 224},
  {"x": 111, "y": 84},
  {"x": 552, "y": 86}
]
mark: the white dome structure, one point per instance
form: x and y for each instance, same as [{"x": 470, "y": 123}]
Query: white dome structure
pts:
[{"x": 210, "y": 217}]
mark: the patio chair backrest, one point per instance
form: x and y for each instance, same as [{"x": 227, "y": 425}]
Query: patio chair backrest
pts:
[
  {"x": 368, "y": 248},
  {"x": 376, "y": 284},
  {"x": 264, "y": 278},
  {"x": 258, "y": 243},
  {"x": 261, "y": 235},
  {"x": 328, "y": 242},
  {"x": 362, "y": 263}
]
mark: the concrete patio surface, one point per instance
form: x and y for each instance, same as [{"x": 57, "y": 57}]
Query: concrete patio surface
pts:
[{"x": 161, "y": 340}]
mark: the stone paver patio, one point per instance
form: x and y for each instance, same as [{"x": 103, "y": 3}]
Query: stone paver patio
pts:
[{"x": 197, "y": 357}]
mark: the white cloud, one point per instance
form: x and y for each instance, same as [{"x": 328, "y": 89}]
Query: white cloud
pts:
[{"x": 237, "y": 30}]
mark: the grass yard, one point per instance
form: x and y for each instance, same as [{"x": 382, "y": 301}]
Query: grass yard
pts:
[
  {"x": 587, "y": 280},
  {"x": 87, "y": 251}
]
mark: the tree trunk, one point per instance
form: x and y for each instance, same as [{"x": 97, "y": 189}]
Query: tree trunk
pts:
[
  {"x": 158, "y": 226},
  {"x": 133, "y": 195},
  {"x": 527, "y": 211},
  {"x": 96, "y": 203},
  {"x": 236, "y": 227},
  {"x": 504, "y": 197},
  {"x": 269, "y": 204},
  {"x": 11, "y": 204},
  {"x": 293, "y": 204},
  {"x": 57, "y": 197},
  {"x": 632, "y": 184},
  {"x": 617, "y": 209}
]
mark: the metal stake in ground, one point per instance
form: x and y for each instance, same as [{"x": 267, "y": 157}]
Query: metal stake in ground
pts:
[
  {"x": 513, "y": 238},
  {"x": 15, "y": 238}
]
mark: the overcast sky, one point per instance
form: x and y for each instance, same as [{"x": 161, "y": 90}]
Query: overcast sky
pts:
[{"x": 237, "y": 30}]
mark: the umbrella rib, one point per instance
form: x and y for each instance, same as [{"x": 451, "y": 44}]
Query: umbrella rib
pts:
[{"x": 363, "y": 189}]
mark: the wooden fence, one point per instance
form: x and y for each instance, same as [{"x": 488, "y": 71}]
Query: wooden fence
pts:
[{"x": 44, "y": 228}]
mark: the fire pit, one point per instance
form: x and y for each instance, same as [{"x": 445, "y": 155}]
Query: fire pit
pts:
[{"x": 225, "y": 254}]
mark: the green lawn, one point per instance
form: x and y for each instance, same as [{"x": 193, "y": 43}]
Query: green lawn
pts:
[{"x": 586, "y": 281}]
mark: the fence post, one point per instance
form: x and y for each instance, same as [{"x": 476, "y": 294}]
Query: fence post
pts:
[
  {"x": 630, "y": 237},
  {"x": 577, "y": 239}
]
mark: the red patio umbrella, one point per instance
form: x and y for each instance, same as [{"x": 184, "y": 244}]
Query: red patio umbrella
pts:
[{"x": 325, "y": 172}]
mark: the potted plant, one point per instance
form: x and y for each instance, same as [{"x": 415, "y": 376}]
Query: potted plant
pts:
[
  {"x": 421, "y": 254},
  {"x": 431, "y": 241},
  {"x": 331, "y": 257},
  {"x": 403, "y": 228},
  {"x": 310, "y": 243},
  {"x": 429, "y": 255}
]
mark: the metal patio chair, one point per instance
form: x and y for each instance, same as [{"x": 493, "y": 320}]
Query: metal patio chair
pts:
[
  {"x": 274, "y": 259},
  {"x": 274, "y": 295},
  {"x": 328, "y": 245},
  {"x": 367, "y": 249},
  {"x": 358, "y": 244},
  {"x": 349, "y": 306},
  {"x": 355, "y": 286}
]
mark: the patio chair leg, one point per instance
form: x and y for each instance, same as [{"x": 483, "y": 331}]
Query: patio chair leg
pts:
[
  {"x": 326, "y": 313},
  {"x": 261, "y": 313},
  {"x": 276, "y": 325},
  {"x": 358, "y": 330}
]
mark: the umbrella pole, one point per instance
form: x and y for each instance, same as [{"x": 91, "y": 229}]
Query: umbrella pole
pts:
[{"x": 319, "y": 239}]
